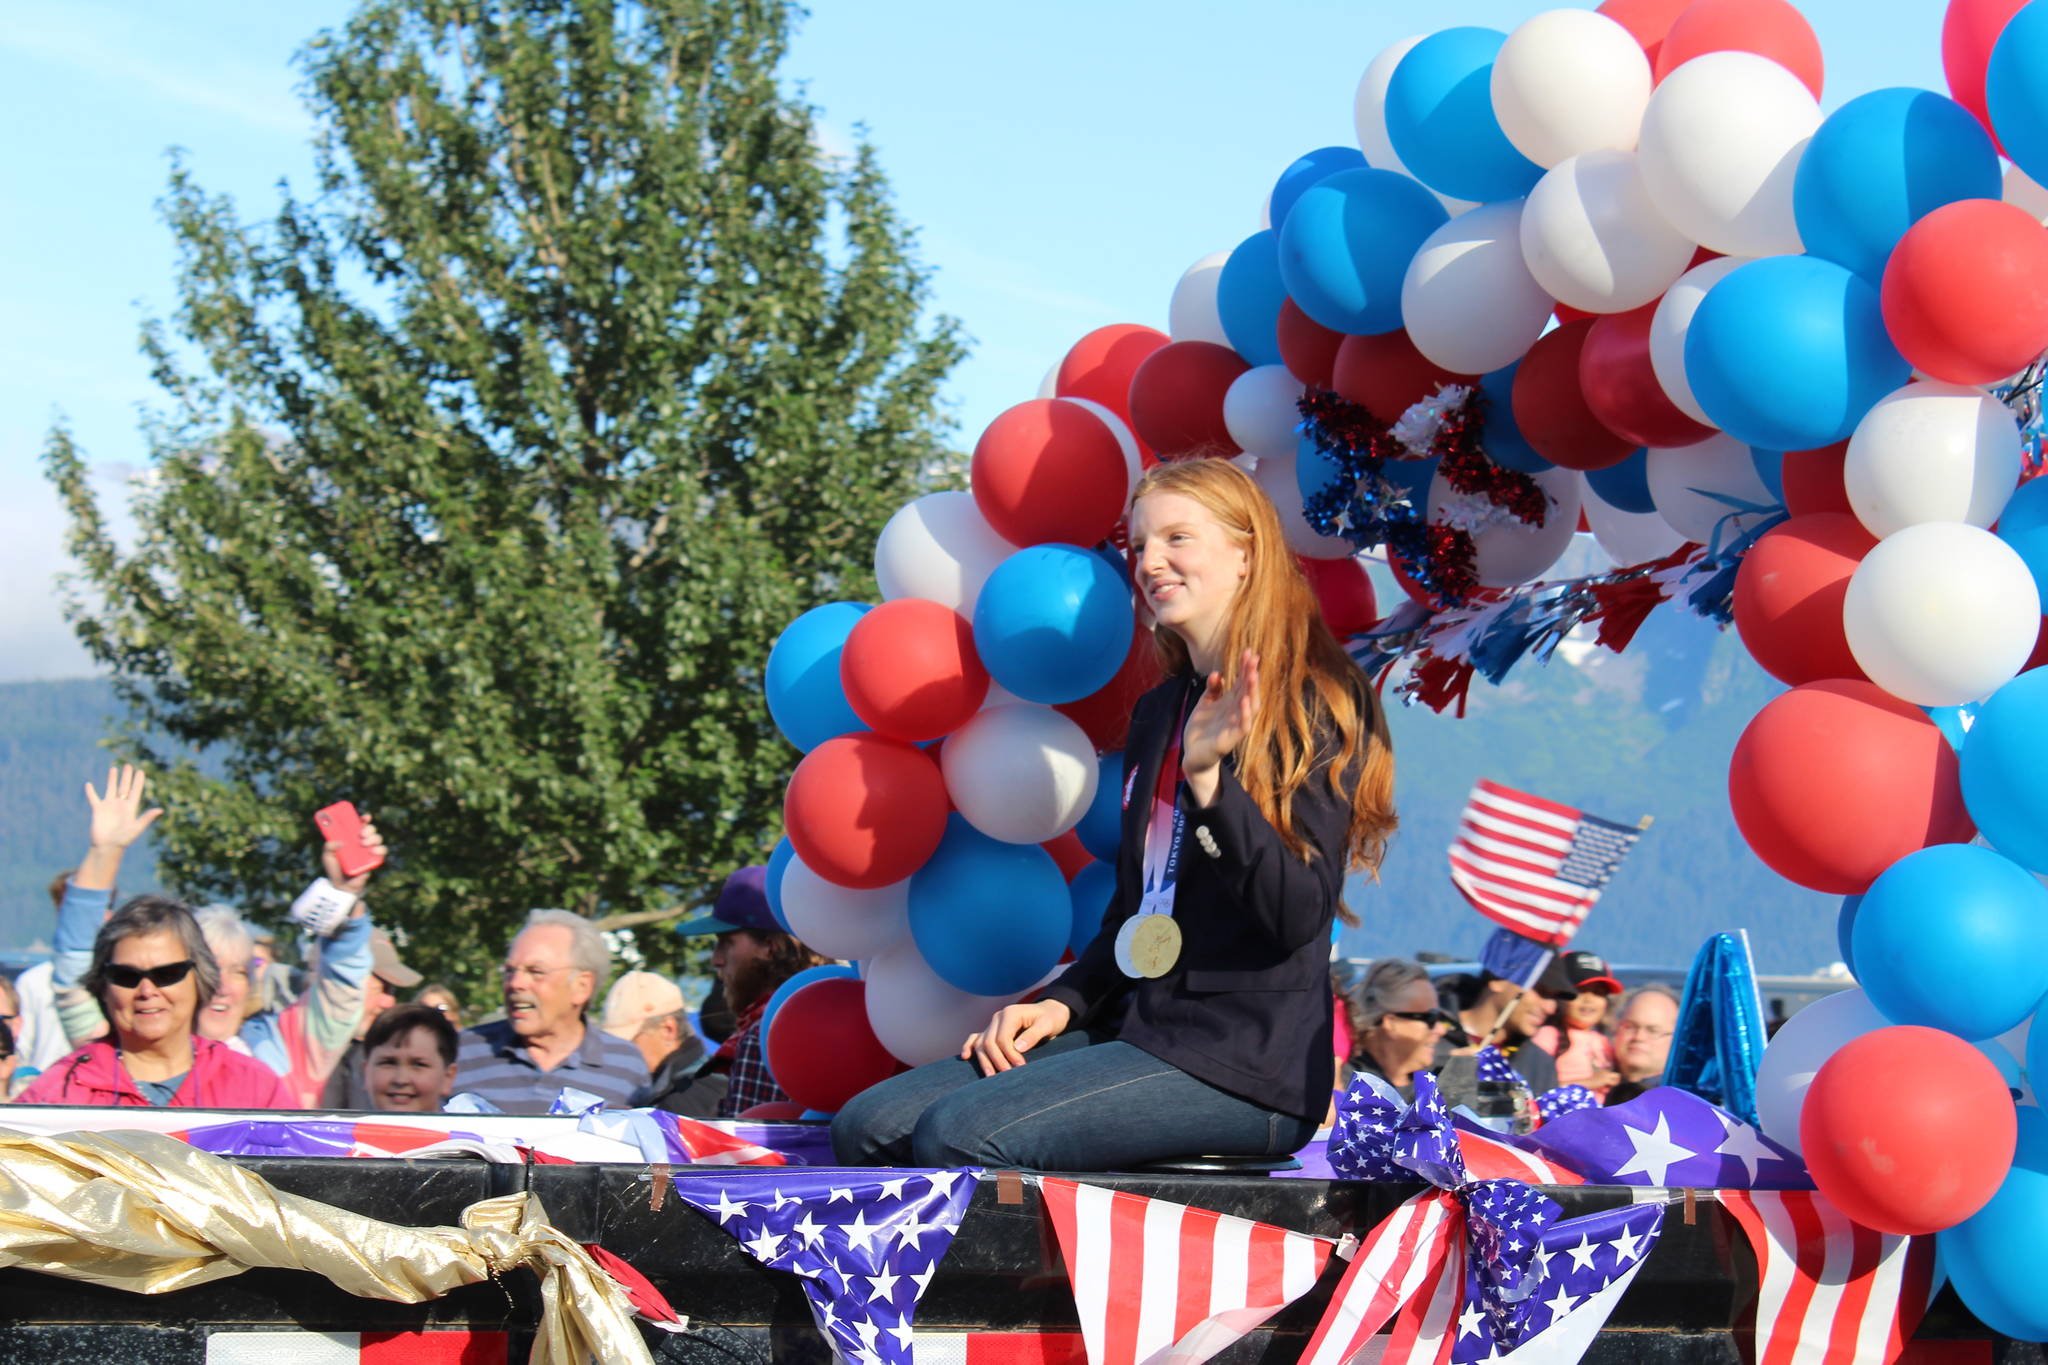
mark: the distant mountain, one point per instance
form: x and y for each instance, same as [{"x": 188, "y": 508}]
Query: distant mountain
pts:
[
  {"x": 50, "y": 736},
  {"x": 1646, "y": 732}
]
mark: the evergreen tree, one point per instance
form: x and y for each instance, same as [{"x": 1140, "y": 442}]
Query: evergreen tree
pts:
[{"x": 487, "y": 476}]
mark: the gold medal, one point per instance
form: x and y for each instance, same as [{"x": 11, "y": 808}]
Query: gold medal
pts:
[{"x": 1148, "y": 946}]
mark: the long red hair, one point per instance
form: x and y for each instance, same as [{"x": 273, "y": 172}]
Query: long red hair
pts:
[{"x": 1310, "y": 690}]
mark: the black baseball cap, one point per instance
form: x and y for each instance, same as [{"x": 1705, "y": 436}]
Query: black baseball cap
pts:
[{"x": 1570, "y": 973}]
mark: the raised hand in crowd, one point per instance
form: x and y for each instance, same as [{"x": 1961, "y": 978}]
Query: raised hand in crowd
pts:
[
  {"x": 118, "y": 820},
  {"x": 330, "y": 863}
]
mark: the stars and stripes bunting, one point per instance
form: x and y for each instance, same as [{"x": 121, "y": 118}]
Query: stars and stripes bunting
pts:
[
  {"x": 1409, "y": 1268},
  {"x": 1157, "y": 1283},
  {"x": 1533, "y": 865},
  {"x": 1828, "y": 1289}
]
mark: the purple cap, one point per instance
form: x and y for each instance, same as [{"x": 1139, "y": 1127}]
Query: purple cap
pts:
[{"x": 742, "y": 904}]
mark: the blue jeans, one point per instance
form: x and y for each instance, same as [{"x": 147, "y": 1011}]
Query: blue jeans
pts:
[{"x": 1080, "y": 1102}]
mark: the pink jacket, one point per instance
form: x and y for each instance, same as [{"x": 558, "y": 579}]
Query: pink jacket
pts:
[
  {"x": 1580, "y": 1052},
  {"x": 221, "y": 1078}
]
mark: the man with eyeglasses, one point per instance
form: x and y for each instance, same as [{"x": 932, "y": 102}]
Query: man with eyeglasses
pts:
[
  {"x": 1642, "y": 1040},
  {"x": 546, "y": 1043}
]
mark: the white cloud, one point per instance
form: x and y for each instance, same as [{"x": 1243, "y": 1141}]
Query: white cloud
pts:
[{"x": 35, "y": 640}]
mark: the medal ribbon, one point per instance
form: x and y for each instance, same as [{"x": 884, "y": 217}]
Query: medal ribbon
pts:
[{"x": 1163, "y": 835}]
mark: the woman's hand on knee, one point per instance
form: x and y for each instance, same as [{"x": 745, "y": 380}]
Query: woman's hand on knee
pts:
[{"x": 1014, "y": 1031}]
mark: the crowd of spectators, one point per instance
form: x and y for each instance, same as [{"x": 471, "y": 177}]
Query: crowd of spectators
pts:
[
  {"x": 1574, "y": 1038},
  {"x": 158, "y": 1003}
]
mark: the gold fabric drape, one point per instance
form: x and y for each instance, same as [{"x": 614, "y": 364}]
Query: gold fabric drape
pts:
[{"x": 146, "y": 1213}]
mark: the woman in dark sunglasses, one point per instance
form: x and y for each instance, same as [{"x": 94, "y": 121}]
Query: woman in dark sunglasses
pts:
[
  {"x": 1397, "y": 1023},
  {"x": 151, "y": 970}
]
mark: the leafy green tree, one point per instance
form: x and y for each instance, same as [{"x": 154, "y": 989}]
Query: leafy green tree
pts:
[{"x": 488, "y": 475}]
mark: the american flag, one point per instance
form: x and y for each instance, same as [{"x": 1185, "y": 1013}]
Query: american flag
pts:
[
  {"x": 1363, "y": 1144},
  {"x": 1667, "y": 1137},
  {"x": 1157, "y": 1283},
  {"x": 1827, "y": 1286},
  {"x": 865, "y": 1247},
  {"x": 1531, "y": 865},
  {"x": 1585, "y": 1265}
]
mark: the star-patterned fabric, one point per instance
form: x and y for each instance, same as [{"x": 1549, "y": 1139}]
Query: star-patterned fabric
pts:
[
  {"x": 865, "y": 1246},
  {"x": 1666, "y": 1136},
  {"x": 1576, "y": 1261}
]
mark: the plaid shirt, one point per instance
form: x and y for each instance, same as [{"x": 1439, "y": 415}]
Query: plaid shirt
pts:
[{"x": 752, "y": 1082}]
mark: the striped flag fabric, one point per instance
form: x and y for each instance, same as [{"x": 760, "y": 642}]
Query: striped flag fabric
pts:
[
  {"x": 1158, "y": 1283},
  {"x": 1533, "y": 865},
  {"x": 1410, "y": 1268},
  {"x": 306, "y": 1346},
  {"x": 1828, "y": 1288}
]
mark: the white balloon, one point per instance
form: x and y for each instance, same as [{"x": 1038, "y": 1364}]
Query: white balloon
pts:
[
  {"x": 841, "y": 921},
  {"x": 1507, "y": 551},
  {"x": 1688, "y": 484},
  {"x": 1275, "y": 478},
  {"x": 940, "y": 548},
  {"x": 1932, "y": 452},
  {"x": 1796, "y": 1052},
  {"x": 1941, "y": 613},
  {"x": 1720, "y": 147},
  {"x": 1369, "y": 116},
  {"x": 1049, "y": 387},
  {"x": 2023, "y": 191},
  {"x": 1192, "y": 315},
  {"x": 915, "y": 1015},
  {"x": 1671, "y": 321},
  {"x": 1593, "y": 238},
  {"x": 1570, "y": 81},
  {"x": 1134, "y": 459},
  {"x": 1260, "y": 410},
  {"x": 1022, "y": 774},
  {"x": 1468, "y": 301},
  {"x": 998, "y": 695},
  {"x": 1629, "y": 538}
]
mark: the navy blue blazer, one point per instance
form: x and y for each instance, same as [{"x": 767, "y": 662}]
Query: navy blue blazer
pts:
[{"x": 1248, "y": 1006}]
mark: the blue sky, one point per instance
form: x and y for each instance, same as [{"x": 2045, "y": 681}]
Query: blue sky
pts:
[{"x": 1063, "y": 164}]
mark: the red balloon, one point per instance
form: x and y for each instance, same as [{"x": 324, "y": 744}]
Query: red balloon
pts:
[
  {"x": 1105, "y": 714},
  {"x": 1307, "y": 348},
  {"x": 1551, "y": 409},
  {"x": 1647, "y": 21},
  {"x": 1788, "y": 597},
  {"x": 1813, "y": 480},
  {"x": 1386, "y": 375},
  {"x": 1835, "y": 781},
  {"x": 2040, "y": 654},
  {"x": 1067, "y": 851},
  {"x": 1965, "y": 293},
  {"x": 774, "y": 1111},
  {"x": 1177, "y": 399},
  {"x": 1100, "y": 365},
  {"x": 865, "y": 810},
  {"x": 1769, "y": 28},
  {"x": 910, "y": 671},
  {"x": 1908, "y": 1168},
  {"x": 1048, "y": 470},
  {"x": 1621, "y": 385},
  {"x": 1344, "y": 592},
  {"x": 821, "y": 1047},
  {"x": 1969, "y": 31}
]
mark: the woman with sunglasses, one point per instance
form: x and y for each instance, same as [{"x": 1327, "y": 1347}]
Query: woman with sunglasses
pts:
[
  {"x": 149, "y": 973},
  {"x": 1256, "y": 776},
  {"x": 1398, "y": 1023}
]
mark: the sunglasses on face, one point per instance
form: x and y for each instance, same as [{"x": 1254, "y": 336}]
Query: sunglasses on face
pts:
[
  {"x": 1420, "y": 1016},
  {"x": 128, "y": 978}
]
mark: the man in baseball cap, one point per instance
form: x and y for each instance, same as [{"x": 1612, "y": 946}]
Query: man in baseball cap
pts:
[
  {"x": 752, "y": 956},
  {"x": 648, "y": 1011}
]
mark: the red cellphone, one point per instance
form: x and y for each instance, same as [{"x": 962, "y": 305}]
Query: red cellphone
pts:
[{"x": 340, "y": 824}]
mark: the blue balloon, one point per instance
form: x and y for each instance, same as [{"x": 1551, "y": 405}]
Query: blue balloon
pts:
[
  {"x": 1845, "y": 930},
  {"x": 1954, "y": 937},
  {"x": 830, "y": 971},
  {"x": 1090, "y": 892},
  {"x": 1101, "y": 830},
  {"x": 2026, "y": 510},
  {"x": 1315, "y": 167},
  {"x": 2013, "y": 91},
  {"x": 1248, "y": 298},
  {"x": 1789, "y": 352},
  {"x": 816, "y": 1115},
  {"x": 1954, "y": 722},
  {"x": 1501, "y": 438},
  {"x": 1770, "y": 467},
  {"x": 2005, "y": 785},
  {"x": 804, "y": 693},
  {"x": 778, "y": 863},
  {"x": 1441, "y": 122},
  {"x": 990, "y": 918},
  {"x": 1347, "y": 245},
  {"x": 2008, "y": 1066},
  {"x": 1626, "y": 486},
  {"x": 1053, "y": 623},
  {"x": 1992, "y": 1257},
  {"x": 1880, "y": 164}
]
